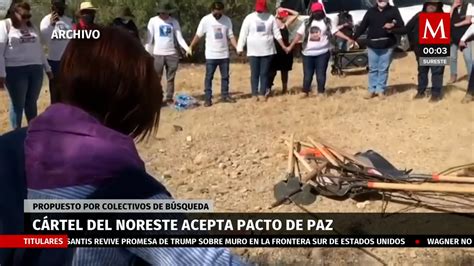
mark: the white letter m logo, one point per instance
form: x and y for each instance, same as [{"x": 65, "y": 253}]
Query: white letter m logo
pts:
[{"x": 434, "y": 33}]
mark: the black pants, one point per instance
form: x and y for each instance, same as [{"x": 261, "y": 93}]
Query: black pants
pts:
[
  {"x": 470, "y": 85},
  {"x": 284, "y": 78},
  {"x": 436, "y": 79}
]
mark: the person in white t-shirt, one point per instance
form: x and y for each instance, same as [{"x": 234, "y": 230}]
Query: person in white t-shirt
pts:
[
  {"x": 258, "y": 32},
  {"x": 316, "y": 34},
  {"x": 22, "y": 63},
  {"x": 164, "y": 41},
  {"x": 218, "y": 31},
  {"x": 55, "y": 21}
]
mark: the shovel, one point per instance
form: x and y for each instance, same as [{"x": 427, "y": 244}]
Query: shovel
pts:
[{"x": 291, "y": 183}]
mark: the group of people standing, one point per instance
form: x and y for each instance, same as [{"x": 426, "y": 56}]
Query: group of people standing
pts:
[
  {"x": 269, "y": 48},
  {"x": 265, "y": 37},
  {"x": 24, "y": 61}
]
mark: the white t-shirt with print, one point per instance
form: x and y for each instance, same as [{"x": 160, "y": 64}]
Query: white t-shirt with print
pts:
[
  {"x": 56, "y": 47},
  {"x": 318, "y": 41},
  {"x": 218, "y": 33},
  {"x": 258, "y": 33},
  {"x": 161, "y": 34},
  {"x": 20, "y": 47}
]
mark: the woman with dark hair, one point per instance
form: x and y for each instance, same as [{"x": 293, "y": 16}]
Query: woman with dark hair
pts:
[
  {"x": 437, "y": 72},
  {"x": 316, "y": 34},
  {"x": 22, "y": 63},
  {"x": 86, "y": 141}
]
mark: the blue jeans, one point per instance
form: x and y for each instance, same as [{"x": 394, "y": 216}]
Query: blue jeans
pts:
[
  {"x": 315, "y": 65},
  {"x": 259, "y": 73},
  {"x": 53, "y": 93},
  {"x": 341, "y": 45},
  {"x": 379, "y": 65},
  {"x": 24, "y": 86},
  {"x": 467, "y": 54},
  {"x": 211, "y": 66}
]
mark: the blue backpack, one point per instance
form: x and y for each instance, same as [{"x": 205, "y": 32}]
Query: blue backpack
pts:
[{"x": 131, "y": 184}]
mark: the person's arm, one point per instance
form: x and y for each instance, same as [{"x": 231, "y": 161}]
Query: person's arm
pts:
[
  {"x": 199, "y": 34},
  {"x": 469, "y": 32},
  {"x": 468, "y": 20},
  {"x": 46, "y": 66},
  {"x": 46, "y": 29},
  {"x": 299, "y": 36},
  {"x": 277, "y": 34},
  {"x": 410, "y": 27},
  {"x": 3, "y": 47},
  {"x": 244, "y": 32},
  {"x": 363, "y": 26},
  {"x": 186, "y": 256},
  {"x": 293, "y": 16},
  {"x": 343, "y": 36},
  {"x": 399, "y": 23},
  {"x": 150, "y": 36},
  {"x": 179, "y": 37},
  {"x": 396, "y": 23},
  {"x": 230, "y": 34},
  {"x": 335, "y": 30}
]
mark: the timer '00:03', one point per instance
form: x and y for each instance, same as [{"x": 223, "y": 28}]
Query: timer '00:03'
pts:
[{"x": 435, "y": 51}]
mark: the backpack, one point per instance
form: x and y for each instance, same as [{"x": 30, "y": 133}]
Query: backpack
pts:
[{"x": 131, "y": 184}]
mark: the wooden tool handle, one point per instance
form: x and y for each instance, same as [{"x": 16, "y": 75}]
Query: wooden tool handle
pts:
[
  {"x": 314, "y": 173},
  {"x": 338, "y": 155},
  {"x": 454, "y": 179},
  {"x": 341, "y": 152},
  {"x": 303, "y": 161},
  {"x": 291, "y": 158},
  {"x": 323, "y": 150},
  {"x": 426, "y": 187}
]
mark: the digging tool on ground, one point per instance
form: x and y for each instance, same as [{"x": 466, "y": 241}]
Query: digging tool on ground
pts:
[
  {"x": 326, "y": 154},
  {"x": 348, "y": 156},
  {"x": 343, "y": 190},
  {"x": 292, "y": 182},
  {"x": 304, "y": 194},
  {"x": 444, "y": 178}
]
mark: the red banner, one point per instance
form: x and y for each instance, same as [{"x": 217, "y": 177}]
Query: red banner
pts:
[{"x": 33, "y": 241}]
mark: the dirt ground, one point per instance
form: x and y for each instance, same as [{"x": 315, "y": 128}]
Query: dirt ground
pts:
[{"x": 232, "y": 153}]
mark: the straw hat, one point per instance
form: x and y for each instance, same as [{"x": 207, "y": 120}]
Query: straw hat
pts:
[{"x": 87, "y": 6}]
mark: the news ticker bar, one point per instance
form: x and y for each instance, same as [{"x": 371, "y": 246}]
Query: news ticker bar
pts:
[
  {"x": 62, "y": 241},
  {"x": 117, "y": 206},
  {"x": 110, "y": 225}
]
